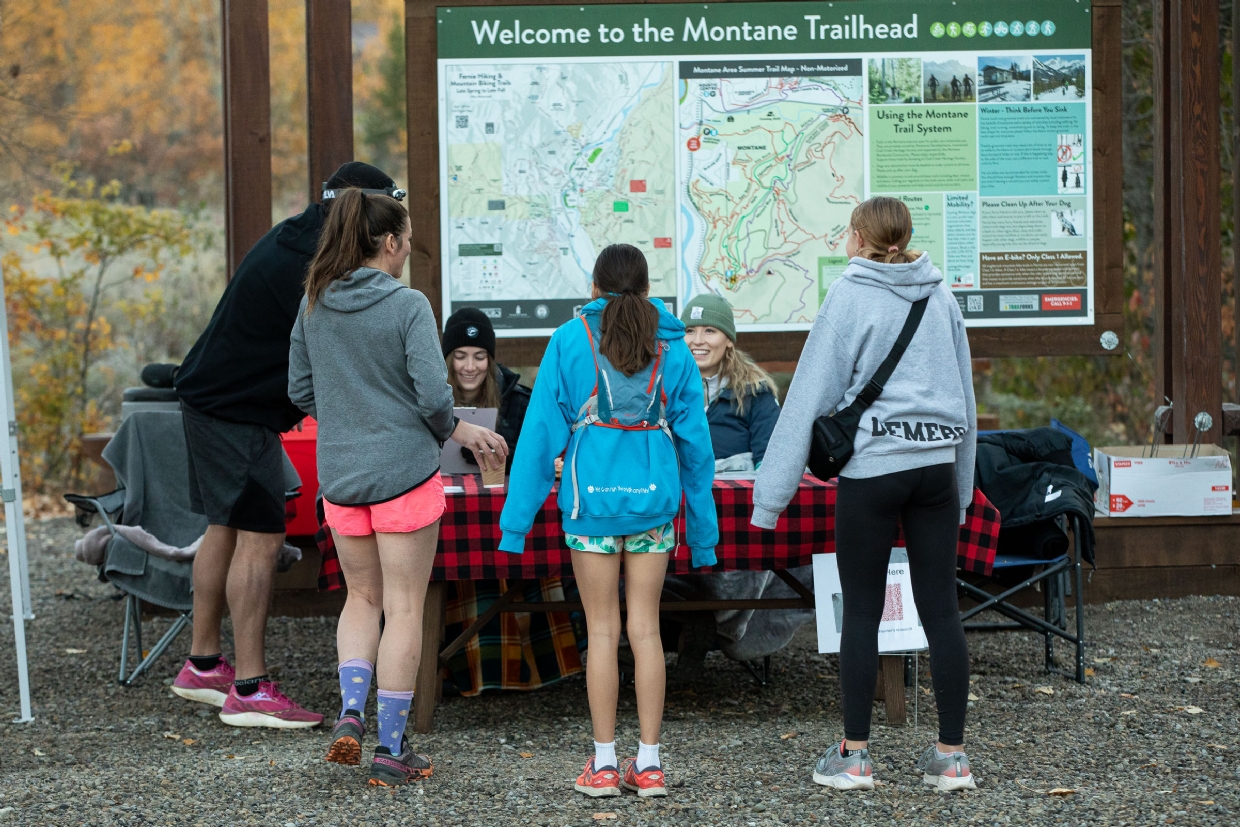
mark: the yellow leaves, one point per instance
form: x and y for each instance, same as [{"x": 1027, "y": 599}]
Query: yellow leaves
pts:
[
  {"x": 121, "y": 147},
  {"x": 1044, "y": 690},
  {"x": 1211, "y": 663},
  {"x": 526, "y": 754}
]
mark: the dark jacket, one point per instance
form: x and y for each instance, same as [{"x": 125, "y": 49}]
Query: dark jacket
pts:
[
  {"x": 1030, "y": 477},
  {"x": 514, "y": 399},
  {"x": 238, "y": 369},
  {"x": 732, "y": 433}
]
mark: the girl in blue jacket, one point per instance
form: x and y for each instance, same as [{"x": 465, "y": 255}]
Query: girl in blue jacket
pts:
[{"x": 619, "y": 389}]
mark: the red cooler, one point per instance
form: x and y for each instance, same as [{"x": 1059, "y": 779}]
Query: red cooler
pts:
[{"x": 299, "y": 445}]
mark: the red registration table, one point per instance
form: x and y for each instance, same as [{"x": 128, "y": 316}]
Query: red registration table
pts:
[{"x": 469, "y": 538}]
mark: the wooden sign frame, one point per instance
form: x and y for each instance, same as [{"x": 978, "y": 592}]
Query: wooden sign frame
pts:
[{"x": 780, "y": 351}]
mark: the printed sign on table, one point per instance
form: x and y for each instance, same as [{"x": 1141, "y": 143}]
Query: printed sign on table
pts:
[{"x": 900, "y": 629}]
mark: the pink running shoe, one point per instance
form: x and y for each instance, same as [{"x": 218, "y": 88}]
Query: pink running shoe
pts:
[
  {"x": 210, "y": 687},
  {"x": 267, "y": 707}
]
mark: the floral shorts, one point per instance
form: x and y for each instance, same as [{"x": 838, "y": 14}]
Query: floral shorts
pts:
[{"x": 659, "y": 540}]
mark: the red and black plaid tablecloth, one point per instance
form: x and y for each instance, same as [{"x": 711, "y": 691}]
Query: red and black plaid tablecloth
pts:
[{"x": 469, "y": 536}]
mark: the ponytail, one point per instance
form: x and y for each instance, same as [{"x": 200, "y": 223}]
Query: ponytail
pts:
[
  {"x": 886, "y": 228},
  {"x": 353, "y": 233},
  {"x": 629, "y": 326}
]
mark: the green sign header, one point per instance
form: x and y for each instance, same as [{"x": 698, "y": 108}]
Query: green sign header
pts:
[{"x": 672, "y": 29}]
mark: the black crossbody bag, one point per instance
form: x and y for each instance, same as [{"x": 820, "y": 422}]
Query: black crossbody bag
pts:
[{"x": 831, "y": 444}]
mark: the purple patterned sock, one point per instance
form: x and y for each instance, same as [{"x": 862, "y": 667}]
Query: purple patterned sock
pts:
[
  {"x": 355, "y": 678},
  {"x": 392, "y": 715}
]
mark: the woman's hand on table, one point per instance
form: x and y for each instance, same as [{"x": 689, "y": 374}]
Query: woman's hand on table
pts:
[{"x": 488, "y": 447}]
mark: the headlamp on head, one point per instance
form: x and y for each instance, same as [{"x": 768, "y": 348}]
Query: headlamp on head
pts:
[{"x": 392, "y": 192}]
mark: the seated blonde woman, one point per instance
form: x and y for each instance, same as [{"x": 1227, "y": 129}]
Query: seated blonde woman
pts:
[
  {"x": 741, "y": 404},
  {"x": 741, "y": 408},
  {"x": 514, "y": 650}
]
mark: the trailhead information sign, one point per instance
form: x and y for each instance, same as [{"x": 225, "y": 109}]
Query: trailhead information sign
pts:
[{"x": 731, "y": 142}]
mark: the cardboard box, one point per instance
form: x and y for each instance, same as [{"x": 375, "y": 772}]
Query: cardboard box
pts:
[{"x": 1169, "y": 484}]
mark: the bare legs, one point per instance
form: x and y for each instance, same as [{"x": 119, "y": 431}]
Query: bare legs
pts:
[
  {"x": 386, "y": 575},
  {"x": 598, "y": 580},
  {"x": 234, "y": 567},
  {"x": 211, "y": 563}
]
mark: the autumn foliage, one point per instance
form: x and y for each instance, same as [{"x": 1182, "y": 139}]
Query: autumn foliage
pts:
[{"x": 70, "y": 264}]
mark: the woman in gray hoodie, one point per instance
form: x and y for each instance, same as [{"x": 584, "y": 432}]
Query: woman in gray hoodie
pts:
[
  {"x": 364, "y": 360},
  {"x": 912, "y": 466}
]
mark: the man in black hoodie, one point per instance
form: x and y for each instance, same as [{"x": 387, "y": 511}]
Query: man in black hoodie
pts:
[{"x": 233, "y": 387}]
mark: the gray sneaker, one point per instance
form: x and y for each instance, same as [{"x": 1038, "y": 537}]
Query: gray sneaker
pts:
[
  {"x": 852, "y": 772},
  {"x": 946, "y": 773}
]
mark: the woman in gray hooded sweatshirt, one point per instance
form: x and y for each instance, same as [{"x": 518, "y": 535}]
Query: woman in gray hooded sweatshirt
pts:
[
  {"x": 364, "y": 360},
  {"x": 912, "y": 466}
]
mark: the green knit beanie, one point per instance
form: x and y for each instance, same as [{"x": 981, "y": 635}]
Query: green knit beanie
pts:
[{"x": 709, "y": 310}]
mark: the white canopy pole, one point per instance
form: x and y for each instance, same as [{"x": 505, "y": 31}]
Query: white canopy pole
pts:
[{"x": 14, "y": 520}]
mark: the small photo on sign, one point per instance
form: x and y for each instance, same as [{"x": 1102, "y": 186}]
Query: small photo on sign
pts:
[
  {"x": 1058, "y": 77},
  {"x": 895, "y": 80},
  {"x": 1003, "y": 79},
  {"x": 945, "y": 80},
  {"x": 1067, "y": 223}
]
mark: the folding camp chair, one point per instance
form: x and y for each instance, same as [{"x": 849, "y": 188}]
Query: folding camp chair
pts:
[
  {"x": 149, "y": 457},
  {"x": 1058, "y": 578},
  {"x": 1034, "y": 479}
]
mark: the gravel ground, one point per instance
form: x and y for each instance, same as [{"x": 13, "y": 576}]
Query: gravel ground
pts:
[{"x": 1151, "y": 739}]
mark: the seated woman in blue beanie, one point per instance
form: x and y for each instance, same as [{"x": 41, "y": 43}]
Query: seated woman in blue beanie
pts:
[{"x": 741, "y": 405}]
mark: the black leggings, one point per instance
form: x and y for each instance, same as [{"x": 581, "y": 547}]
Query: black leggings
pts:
[{"x": 867, "y": 515}]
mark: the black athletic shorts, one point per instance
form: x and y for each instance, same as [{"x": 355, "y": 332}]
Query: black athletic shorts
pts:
[{"x": 236, "y": 473}]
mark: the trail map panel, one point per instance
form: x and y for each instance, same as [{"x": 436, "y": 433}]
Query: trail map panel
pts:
[
  {"x": 731, "y": 142},
  {"x": 547, "y": 164},
  {"x": 772, "y": 160}
]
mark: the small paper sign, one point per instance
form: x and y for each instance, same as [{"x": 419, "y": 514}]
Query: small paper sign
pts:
[{"x": 900, "y": 629}]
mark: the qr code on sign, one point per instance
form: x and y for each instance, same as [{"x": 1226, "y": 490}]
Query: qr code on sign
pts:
[
  {"x": 462, "y": 121},
  {"x": 976, "y": 304},
  {"x": 893, "y": 608}
]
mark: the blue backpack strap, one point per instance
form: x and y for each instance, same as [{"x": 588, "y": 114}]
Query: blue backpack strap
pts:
[{"x": 585, "y": 416}]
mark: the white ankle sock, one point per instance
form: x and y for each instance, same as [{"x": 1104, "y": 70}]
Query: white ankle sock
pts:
[
  {"x": 647, "y": 756},
  {"x": 604, "y": 755}
]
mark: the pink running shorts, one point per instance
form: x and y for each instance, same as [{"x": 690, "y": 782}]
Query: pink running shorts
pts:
[{"x": 408, "y": 512}]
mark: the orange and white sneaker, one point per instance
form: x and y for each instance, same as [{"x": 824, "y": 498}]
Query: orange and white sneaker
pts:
[
  {"x": 648, "y": 783},
  {"x": 598, "y": 783}
]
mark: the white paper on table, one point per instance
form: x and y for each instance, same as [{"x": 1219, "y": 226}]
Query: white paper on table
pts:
[{"x": 900, "y": 629}]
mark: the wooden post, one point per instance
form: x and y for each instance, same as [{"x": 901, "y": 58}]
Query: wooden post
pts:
[
  {"x": 428, "y": 684},
  {"x": 247, "y": 127},
  {"x": 1165, "y": 231},
  {"x": 1187, "y": 211},
  {"x": 1235, "y": 196},
  {"x": 422, "y": 106},
  {"x": 891, "y": 675},
  {"x": 329, "y": 89}
]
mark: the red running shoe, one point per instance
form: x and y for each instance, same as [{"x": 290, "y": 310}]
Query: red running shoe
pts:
[
  {"x": 601, "y": 783},
  {"x": 210, "y": 687},
  {"x": 267, "y": 707},
  {"x": 648, "y": 783}
]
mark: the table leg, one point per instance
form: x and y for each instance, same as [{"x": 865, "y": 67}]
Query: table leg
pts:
[
  {"x": 891, "y": 668},
  {"x": 428, "y": 683}
]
